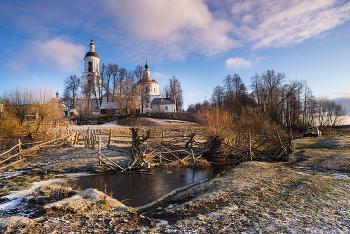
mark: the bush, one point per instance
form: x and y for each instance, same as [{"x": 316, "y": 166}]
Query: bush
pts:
[{"x": 234, "y": 128}]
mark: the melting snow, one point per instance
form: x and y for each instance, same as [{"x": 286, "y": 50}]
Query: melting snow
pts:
[
  {"x": 17, "y": 196},
  {"x": 162, "y": 222},
  {"x": 10, "y": 174}
]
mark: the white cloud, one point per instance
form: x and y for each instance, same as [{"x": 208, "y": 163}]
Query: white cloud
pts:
[
  {"x": 191, "y": 95},
  {"x": 173, "y": 28},
  {"x": 284, "y": 22},
  {"x": 157, "y": 75},
  {"x": 54, "y": 54},
  {"x": 238, "y": 63},
  {"x": 60, "y": 54}
]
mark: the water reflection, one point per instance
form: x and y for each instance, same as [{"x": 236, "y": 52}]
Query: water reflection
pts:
[{"x": 140, "y": 189}]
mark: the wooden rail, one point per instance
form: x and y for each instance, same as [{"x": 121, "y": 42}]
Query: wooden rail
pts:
[
  {"x": 29, "y": 152},
  {"x": 101, "y": 158}
]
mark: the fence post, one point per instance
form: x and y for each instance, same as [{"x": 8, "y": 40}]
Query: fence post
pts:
[
  {"x": 249, "y": 147},
  {"x": 99, "y": 150},
  {"x": 19, "y": 149},
  {"x": 88, "y": 137},
  {"x": 76, "y": 137},
  {"x": 92, "y": 139},
  {"x": 110, "y": 135},
  {"x": 290, "y": 138}
]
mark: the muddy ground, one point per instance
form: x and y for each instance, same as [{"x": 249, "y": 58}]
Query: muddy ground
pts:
[{"x": 310, "y": 193}]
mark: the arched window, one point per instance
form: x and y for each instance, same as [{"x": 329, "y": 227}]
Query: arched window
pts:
[
  {"x": 155, "y": 90},
  {"x": 90, "y": 66},
  {"x": 166, "y": 108}
]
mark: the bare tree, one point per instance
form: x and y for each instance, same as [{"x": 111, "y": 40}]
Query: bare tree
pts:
[
  {"x": 71, "y": 87},
  {"x": 141, "y": 91},
  {"x": 329, "y": 112},
  {"x": 255, "y": 86},
  {"x": 218, "y": 96},
  {"x": 114, "y": 70},
  {"x": 174, "y": 91},
  {"x": 128, "y": 91},
  {"x": 46, "y": 106},
  {"x": 138, "y": 72},
  {"x": 106, "y": 80},
  {"x": 19, "y": 102}
]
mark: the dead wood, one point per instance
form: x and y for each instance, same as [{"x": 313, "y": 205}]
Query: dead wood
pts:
[
  {"x": 190, "y": 140},
  {"x": 214, "y": 143},
  {"x": 137, "y": 139}
]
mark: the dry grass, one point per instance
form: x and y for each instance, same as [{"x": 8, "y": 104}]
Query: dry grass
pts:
[
  {"x": 322, "y": 153},
  {"x": 262, "y": 197},
  {"x": 84, "y": 201},
  {"x": 15, "y": 224},
  {"x": 234, "y": 128}
]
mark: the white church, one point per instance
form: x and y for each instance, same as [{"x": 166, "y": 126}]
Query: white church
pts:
[{"x": 92, "y": 89}]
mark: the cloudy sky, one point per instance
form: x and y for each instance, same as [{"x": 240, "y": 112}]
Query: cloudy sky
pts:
[{"x": 198, "y": 41}]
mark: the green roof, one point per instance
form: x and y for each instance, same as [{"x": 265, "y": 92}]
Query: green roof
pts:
[{"x": 1, "y": 101}]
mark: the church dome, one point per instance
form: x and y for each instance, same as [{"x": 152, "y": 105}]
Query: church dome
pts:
[
  {"x": 147, "y": 80},
  {"x": 91, "y": 54}
]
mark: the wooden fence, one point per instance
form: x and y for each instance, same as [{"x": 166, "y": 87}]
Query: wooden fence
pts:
[
  {"x": 191, "y": 150},
  {"x": 16, "y": 154}
]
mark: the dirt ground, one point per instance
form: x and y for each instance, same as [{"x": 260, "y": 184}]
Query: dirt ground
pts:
[{"x": 310, "y": 193}]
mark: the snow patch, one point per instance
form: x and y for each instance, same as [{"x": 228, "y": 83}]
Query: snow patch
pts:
[
  {"x": 10, "y": 174},
  {"x": 17, "y": 196},
  {"x": 161, "y": 222}
]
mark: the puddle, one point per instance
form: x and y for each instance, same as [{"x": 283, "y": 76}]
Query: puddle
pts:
[
  {"x": 137, "y": 190},
  {"x": 308, "y": 170}
]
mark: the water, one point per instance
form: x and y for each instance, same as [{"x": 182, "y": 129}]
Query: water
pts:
[{"x": 136, "y": 190}]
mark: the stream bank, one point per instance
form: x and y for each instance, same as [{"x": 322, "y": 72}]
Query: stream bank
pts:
[{"x": 253, "y": 197}]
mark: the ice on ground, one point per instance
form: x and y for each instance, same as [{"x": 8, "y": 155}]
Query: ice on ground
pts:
[
  {"x": 161, "y": 222},
  {"x": 35, "y": 185},
  {"x": 10, "y": 174},
  {"x": 17, "y": 196},
  {"x": 11, "y": 204},
  {"x": 339, "y": 176},
  {"x": 73, "y": 175}
]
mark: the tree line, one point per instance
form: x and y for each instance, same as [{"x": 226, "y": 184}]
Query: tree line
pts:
[
  {"x": 119, "y": 85},
  {"x": 291, "y": 103}
]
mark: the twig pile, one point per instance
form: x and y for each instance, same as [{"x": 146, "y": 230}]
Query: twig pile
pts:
[{"x": 162, "y": 153}]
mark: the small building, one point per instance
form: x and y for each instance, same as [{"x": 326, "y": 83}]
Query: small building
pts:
[
  {"x": 151, "y": 89},
  {"x": 162, "y": 105}
]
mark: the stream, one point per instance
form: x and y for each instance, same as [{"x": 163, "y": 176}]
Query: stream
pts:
[{"x": 135, "y": 190}]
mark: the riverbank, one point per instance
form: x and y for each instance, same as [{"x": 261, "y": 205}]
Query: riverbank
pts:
[{"x": 308, "y": 194}]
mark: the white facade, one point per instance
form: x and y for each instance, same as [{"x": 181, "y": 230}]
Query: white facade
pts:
[
  {"x": 151, "y": 87},
  {"x": 92, "y": 71}
]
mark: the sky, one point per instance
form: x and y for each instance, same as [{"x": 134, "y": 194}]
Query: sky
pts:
[{"x": 197, "y": 41}]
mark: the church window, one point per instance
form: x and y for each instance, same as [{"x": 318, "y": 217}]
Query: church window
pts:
[
  {"x": 155, "y": 91},
  {"x": 90, "y": 66}
]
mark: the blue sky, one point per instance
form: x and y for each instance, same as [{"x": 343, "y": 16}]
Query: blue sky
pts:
[{"x": 198, "y": 41}]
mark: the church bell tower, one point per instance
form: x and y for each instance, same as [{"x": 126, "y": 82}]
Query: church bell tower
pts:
[{"x": 91, "y": 79}]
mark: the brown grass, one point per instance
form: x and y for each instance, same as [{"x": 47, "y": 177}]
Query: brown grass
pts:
[{"x": 234, "y": 128}]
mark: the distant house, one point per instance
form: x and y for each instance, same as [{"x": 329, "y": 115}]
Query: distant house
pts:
[{"x": 162, "y": 105}]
